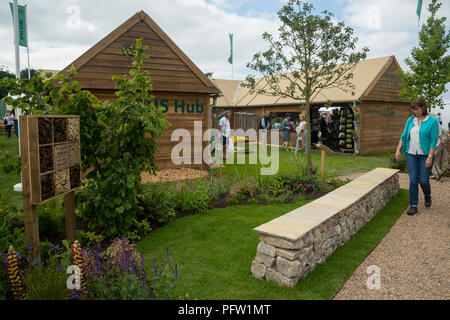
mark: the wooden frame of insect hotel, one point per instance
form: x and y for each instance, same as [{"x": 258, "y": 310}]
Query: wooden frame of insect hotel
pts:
[{"x": 51, "y": 167}]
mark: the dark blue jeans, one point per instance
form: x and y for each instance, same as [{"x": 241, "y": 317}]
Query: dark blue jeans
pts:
[
  {"x": 16, "y": 127},
  {"x": 418, "y": 174},
  {"x": 8, "y": 130}
]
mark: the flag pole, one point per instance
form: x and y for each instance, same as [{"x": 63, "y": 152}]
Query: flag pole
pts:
[
  {"x": 16, "y": 38},
  {"x": 28, "y": 42}
]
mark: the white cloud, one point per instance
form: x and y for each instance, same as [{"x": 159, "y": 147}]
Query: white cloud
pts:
[{"x": 199, "y": 28}]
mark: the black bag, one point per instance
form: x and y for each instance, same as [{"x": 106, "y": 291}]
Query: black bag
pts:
[{"x": 5, "y": 122}]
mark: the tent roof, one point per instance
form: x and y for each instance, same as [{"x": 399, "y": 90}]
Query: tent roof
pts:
[{"x": 366, "y": 75}]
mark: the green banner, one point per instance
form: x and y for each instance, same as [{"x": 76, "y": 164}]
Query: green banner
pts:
[
  {"x": 2, "y": 109},
  {"x": 230, "y": 59},
  {"x": 419, "y": 8},
  {"x": 23, "y": 38}
]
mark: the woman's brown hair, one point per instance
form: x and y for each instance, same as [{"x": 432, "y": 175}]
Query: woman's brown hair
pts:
[{"x": 420, "y": 103}]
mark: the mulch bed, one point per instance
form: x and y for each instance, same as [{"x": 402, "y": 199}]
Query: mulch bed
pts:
[{"x": 173, "y": 175}]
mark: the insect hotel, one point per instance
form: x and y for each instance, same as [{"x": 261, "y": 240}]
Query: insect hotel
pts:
[{"x": 50, "y": 162}]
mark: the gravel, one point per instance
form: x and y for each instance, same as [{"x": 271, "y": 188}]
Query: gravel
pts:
[
  {"x": 173, "y": 175},
  {"x": 413, "y": 257}
]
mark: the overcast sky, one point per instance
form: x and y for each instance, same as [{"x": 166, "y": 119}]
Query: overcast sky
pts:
[{"x": 200, "y": 28}]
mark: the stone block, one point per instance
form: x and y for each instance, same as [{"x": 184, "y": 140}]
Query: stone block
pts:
[
  {"x": 280, "y": 279},
  {"x": 265, "y": 259},
  {"x": 266, "y": 249},
  {"x": 290, "y": 269},
  {"x": 258, "y": 270},
  {"x": 288, "y": 254},
  {"x": 282, "y": 243}
]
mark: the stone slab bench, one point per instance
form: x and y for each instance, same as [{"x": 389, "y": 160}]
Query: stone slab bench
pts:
[{"x": 292, "y": 245}]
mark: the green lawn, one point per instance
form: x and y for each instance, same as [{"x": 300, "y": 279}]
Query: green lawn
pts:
[
  {"x": 214, "y": 253},
  {"x": 8, "y": 180},
  {"x": 336, "y": 164}
]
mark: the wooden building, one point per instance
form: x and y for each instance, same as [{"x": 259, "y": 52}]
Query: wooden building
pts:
[
  {"x": 179, "y": 86},
  {"x": 382, "y": 113}
]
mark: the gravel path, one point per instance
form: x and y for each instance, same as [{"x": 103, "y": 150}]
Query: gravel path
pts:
[{"x": 413, "y": 257}]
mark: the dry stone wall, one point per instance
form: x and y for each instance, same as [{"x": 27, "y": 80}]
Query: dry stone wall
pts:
[{"x": 293, "y": 245}]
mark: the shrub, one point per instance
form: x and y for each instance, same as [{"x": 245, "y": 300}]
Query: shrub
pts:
[
  {"x": 253, "y": 201},
  {"x": 193, "y": 197},
  {"x": 400, "y": 164},
  {"x": 51, "y": 216},
  {"x": 246, "y": 187},
  {"x": 157, "y": 201}
]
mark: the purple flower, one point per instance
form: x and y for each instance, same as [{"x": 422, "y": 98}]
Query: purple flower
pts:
[
  {"x": 99, "y": 246},
  {"x": 176, "y": 271},
  {"x": 20, "y": 255},
  {"x": 313, "y": 175},
  {"x": 30, "y": 247},
  {"x": 319, "y": 181},
  {"x": 1, "y": 253},
  {"x": 60, "y": 268},
  {"x": 142, "y": 261},
  {"x": 167, "y": 255},
  {"x": 156, "y": 272},
  {"x": 36, "y": 261},
  {"x": 74, "y": 295},
  {"x": 55, "y": 247},
  {"x": 4, "y": 260}
]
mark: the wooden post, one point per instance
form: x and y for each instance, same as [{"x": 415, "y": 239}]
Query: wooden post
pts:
[
  {"x": 323, "y": 161},
  {"x": 323, "y": 151},
  {"x": 30, "y": 210},
  {"x": 69, "y": 208}
]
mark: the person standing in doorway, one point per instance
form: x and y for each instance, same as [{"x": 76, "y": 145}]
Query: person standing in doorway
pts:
[
  {"x": 264, "y": 126},
  {"x": 419, "y": 141},
  {"x": 224, "y": 129}
]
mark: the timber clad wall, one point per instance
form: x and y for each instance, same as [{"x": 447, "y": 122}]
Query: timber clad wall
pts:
[
  {"x": 178, "y": 119},
  {"x": 382, "y": 125}
]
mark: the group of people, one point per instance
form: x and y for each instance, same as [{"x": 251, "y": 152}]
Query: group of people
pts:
[
  {"x": 10, "y": 120},
  {"x": 300, "y": 131}
]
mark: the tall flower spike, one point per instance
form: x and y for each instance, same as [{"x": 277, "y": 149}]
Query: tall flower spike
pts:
[
  {"x": 15, "y": 279},
  {"x": 77, "y": 260}
]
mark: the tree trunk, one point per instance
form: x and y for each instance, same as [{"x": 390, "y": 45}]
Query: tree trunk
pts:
[{"x": 308, "y": 138}]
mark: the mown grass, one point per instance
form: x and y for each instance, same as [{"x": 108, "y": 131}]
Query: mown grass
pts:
[
  {"x": 214, "y": 253},
  {"x": 291, "y": 163},
  {"x": 8, "y": 180}
]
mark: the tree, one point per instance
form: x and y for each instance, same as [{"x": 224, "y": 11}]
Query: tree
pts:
[
  {"x": 5, "y": 74},
  {"x": 24, "y": 73},
  {"x": 429, "y": 62},
  {"x": 312, "y": 53}
]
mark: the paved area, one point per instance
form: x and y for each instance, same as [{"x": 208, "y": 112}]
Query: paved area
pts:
[{"x": 413, "y": 257}]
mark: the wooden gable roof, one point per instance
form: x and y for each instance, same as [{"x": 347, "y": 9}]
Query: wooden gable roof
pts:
[
  {"x": 386, "y": 85},
  {"x": 170, "y": 69}
]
